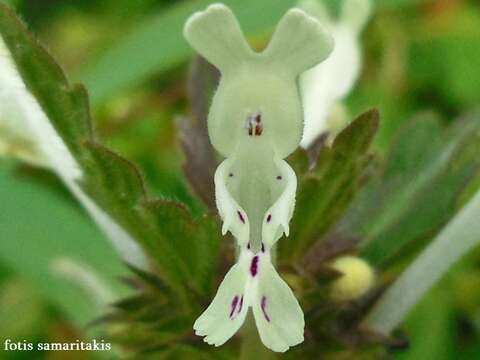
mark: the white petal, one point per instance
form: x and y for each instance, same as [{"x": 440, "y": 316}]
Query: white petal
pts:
[
  {"x": 278, "y": 315},
  {"x": 327, "y": 83},
  {"x": 228, "y": 310},
  {"x": 280, "y": 213},
  {"x": 234, "y": 217},
  {"x": 215, "y": 33},
  {"x": 299, "y": 42}
]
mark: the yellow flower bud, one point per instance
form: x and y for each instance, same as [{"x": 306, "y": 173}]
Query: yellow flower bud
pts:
[{"x": 358, "y": 277}]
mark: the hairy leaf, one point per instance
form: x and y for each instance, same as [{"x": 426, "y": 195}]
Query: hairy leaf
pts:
[
  {"x": 325, "y": 191},
  {"x": 111, "y": 188}
]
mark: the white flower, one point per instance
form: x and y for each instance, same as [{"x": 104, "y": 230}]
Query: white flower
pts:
[
  {"x": 324, "y": 86},
  {"x": 255, "y": 121}
]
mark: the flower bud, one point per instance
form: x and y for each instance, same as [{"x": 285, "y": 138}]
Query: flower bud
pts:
[{"x": 356, "y": 280}]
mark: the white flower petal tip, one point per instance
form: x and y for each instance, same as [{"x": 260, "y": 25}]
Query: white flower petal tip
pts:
[
  {"x": 253, "y": 282},
  {"x": 227, "y": 312},
  {"x": 222, "y": 48},
  {"x": 278, "y": 315},
  {"x": 295, "y": 28}
]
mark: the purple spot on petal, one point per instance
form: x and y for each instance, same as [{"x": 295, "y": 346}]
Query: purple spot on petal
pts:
[
  {"x": 233, "y": 306},
  {"x": 269, "y": 218},
  {"x": 264, "y": 308},
  {"x": 240, "y": 215},
  {"x": 254, "y": 266},
  {"x": 240, "y": 306}
]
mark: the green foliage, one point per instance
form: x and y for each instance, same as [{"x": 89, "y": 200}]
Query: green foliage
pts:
[
  {"x": 154, "y": 323},
  {"x": 429, "y": 327},
  {"x": 418, "y": 191},
  {"x": 325, "y": 191},
  {"x": 178, "y": 249},
  {"x": 426, "y": 177},
  {"x": 56, "y": 229},
  {"x": 66, "y": 106}
]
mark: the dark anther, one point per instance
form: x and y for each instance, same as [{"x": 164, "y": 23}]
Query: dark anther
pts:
[
  {"x": 263, "y": 248},
  {"x": 269, "y": 218},
  {"x": 254, "y": 125},
  {"x": 231, "y": 174},
  {"x": 279, "y": 177}
]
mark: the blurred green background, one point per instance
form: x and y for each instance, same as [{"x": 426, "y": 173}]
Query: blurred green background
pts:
[{"x": 418, "y": 56}]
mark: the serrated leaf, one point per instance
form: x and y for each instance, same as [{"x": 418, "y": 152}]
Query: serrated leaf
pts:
[
  {"x": 325, "y": 192},
  {"x": 151, "y": 280},
  {"x": 38, "y": 90},
  {"x": 111, "y": 188},
  {"x": 184, "y": 250},
  {"x": 66, "y": 106},
  {"x": 193, "y": 244}
]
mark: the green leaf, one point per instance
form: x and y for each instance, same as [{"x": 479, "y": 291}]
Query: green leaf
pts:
[
  {"x": 419, "y": 189},
  {"x": 185, "y": 249},
  {"x": 38, "y": 227},
  {"x": 66, "y": 106},
  {"x": 191, "y": 246},
  {"x": 325, "y": 192},
  {"x": 181, "y": 246}
]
